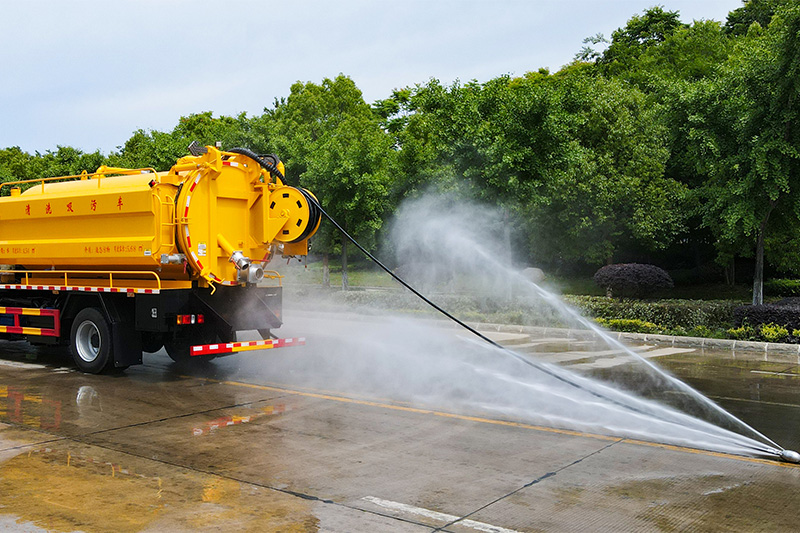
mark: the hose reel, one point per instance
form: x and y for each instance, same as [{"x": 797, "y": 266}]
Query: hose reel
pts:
[{"x": 301, "y": 210}]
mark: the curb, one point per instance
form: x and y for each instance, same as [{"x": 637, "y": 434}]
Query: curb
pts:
[{"x": 776, "y": 348}]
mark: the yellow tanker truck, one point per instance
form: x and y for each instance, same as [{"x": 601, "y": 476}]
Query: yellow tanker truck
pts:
[{"x": 123, "y": 261}]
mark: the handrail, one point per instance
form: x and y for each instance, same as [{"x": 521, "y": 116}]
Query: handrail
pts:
[
  {"x": 272, "y": 274},
  {"x": 66, "y": 273},
  {"x": 169, "y": 202},
  {"x": 101, "y": 173}
]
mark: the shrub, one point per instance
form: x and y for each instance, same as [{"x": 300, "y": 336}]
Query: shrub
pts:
[
  {"x": 782, "y": 287},
  {"x": 774, "y": 333},
  {"x": 785, "y": 316},
  {"x": 744, "y": 332},
  {"x": 670, "y": 314},
  {"x": 632, "y": 279},
  {"x": 793, "y": 300},
  {"x": 629, "y": 325},
  {"x": 702, "y": 331}
]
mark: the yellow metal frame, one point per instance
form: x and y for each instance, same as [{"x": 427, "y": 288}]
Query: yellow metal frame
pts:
[
  {"x": 97, "y": 277},
  {"x": 272, "y": 274}
]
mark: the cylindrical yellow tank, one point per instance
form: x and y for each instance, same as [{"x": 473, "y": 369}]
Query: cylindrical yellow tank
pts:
[{"x": 211, "y": 217}]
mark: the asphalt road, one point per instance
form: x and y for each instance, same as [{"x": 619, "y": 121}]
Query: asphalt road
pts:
[{"x": 326, "y": 438}]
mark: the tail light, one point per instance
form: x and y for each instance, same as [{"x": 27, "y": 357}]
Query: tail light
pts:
[{"x": 183, "y": 320}]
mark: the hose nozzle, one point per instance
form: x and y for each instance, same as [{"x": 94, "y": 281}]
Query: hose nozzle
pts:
[{"x": 790, "y": 456}]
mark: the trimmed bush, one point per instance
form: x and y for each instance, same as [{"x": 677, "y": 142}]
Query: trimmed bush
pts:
[
  {"x": 632, "y": 279},
  {"x": 785, "y": 316},
  {"x": 793, "y": 300},
  {"x": 669, "y": 314},
  {"x": 745, "y": 332},
  {"x": 629, "y": 325},
  {"x": 774, "y": 333},
  {"x": 782, "y": 287}
]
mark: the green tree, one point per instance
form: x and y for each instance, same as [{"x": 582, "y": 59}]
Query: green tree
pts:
[
  {"x": 578, "y": 158},
  {"x": 17, "y": 165},
  {"x": 608, "y": 194},
  {"x": 753, "y": 11},
  {"x": 333, "y": 142},
  {"x": 746, "y": 134},
  {"x": 641, "y": 33},
  {"x": 160, "y": 150}
]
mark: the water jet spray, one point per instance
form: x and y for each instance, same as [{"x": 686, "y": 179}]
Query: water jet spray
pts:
[{"x": 617, "y": 400}]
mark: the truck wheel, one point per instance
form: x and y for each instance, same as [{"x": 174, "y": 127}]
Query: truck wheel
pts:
[
  {"x": 178, "y": 349},
  {"x": 90, "y": 341},
  {"x": 152, "y": 342}
]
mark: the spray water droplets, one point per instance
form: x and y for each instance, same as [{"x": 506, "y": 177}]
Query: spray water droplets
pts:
[{"x": 446, "y": 247}]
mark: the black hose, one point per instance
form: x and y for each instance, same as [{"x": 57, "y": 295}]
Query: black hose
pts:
[
  {"x": 314, "y": 216},
  {"x": 269, "y": 162},
  {"x": 537, "y": 365}
]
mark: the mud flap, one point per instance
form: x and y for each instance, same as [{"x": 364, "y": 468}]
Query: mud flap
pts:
[{"x": 127, "y": 344}]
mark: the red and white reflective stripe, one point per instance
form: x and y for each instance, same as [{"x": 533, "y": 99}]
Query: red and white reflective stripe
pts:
[
  {"x": 79, "y": 288},
  {"x": 19, "y": 329},
  {"x": 230, "y": 163},
  {"x": 233, "y": 347},
  {"x": 208, "y": 275},
  {"x": 194, "y": 184}
]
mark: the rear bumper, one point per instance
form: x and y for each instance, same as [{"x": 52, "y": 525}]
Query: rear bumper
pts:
[{"x": 228, "y": 348}]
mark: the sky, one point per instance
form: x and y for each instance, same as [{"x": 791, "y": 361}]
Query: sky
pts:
[{"x": 89, "y": 73}]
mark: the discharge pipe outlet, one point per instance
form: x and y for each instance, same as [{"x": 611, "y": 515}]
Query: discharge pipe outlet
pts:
[
  {"x": 790, "y": 456},
  {"x": 248, "y": 272},
  {"x": 236, "y": 257}
]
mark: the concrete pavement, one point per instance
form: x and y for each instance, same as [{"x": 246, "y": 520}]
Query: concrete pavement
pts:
[{"x": 225, "y": 447}]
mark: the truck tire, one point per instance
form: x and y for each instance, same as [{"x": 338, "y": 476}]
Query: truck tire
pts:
[
  {"x": 152, "y": 342},
  {"x": 90, "y": 341},
  {"x": 178, "y": 349}
]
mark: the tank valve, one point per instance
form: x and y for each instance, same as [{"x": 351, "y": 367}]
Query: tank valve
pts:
[
  {"x": 253, "y": 274},
  {"x": 790, "y": 456},
  {"x": 242, "y": 263},
  {"x": 172, "y": 259}
]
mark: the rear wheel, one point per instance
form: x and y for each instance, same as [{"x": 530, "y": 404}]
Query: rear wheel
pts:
[
  {"x": 152, "y": 342},
  {"x": 90, "y": 341},
  {"x": 178, "y": 349}
]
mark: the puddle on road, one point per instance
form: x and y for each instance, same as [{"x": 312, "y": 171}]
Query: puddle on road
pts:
[{"x": 77, "y": 488}]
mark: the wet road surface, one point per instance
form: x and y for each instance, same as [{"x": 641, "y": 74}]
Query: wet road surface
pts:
[{"x": 280, "y": 441}]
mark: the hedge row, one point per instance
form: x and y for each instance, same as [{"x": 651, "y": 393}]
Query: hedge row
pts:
[
  {"x": 787, "y": 316},
  {"x": 696, "y": 318},
  {"x": 669, "y": 314}
]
